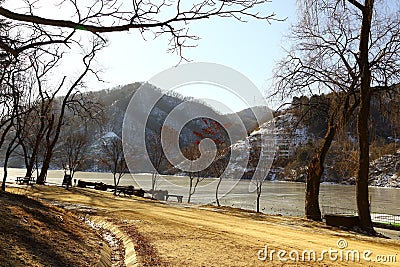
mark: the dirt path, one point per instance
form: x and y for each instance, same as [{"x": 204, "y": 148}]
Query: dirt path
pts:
[{"x": 207, "y": 236}]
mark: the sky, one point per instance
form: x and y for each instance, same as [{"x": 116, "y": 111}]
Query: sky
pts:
[{"x": 251, "y": 48}]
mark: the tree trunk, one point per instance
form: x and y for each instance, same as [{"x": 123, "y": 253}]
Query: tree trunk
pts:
[
  {"x": 34, "y": 155},
  {"x": 26, "y": 157},
  {"x": 153, "y": 182},
  {"x": 29, "y": 167},
  {"x": 115, "y": 185},
  {"x": 216, "y": 191},
  {"x": 49, "y": 149},
  {"x": 363, "y": 169},
  {"x": 10, "y": 149},
  {"x": 258, "y": 197},
  {"x": 3, "y": 185},
  {"x": 314, "y": 173},
  {"x": 35, "y": 150},
  {"x": 362, "y": 122},
  {"x": 45, "y": 167},
  {"x": 190, "y": 187}
]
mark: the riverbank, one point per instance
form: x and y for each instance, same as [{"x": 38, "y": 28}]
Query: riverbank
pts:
[
  {"x": 198, "y": 235},
  {"x": 285, "y": 198}
]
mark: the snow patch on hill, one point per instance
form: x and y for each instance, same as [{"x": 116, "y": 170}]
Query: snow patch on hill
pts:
[{"x": 385, "y": 171}]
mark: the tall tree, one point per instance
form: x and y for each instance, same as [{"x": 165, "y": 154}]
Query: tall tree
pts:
[
  {"x": 216, "y": 132},
  {"x": 350, "y": 48},
  {"x": 158, "y": 146},
  {"x": 364, "y": 63},
  {"x": 68, "y": 101},
  {"x": 112, "y": 157},
  {"x": 72, "y": 151},
  {"x": 12, "y": 107}
]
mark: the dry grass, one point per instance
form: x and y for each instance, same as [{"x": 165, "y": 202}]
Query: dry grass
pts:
[
  {"x": 190, "y": 235},
  {"x": 36, "y": 234}
]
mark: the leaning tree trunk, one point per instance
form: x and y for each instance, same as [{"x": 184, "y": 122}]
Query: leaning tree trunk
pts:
[
  {"x": 49, "y": 150},
  {"x": 30, "y": 163},
  {"x": 314, "y": 174},
  {"x": 216, "y": 191},
  {"x": 362, "y": 122},
  {"x": 9, "y": 151},
  {"x": 217, "y": 172},
  {"x": 45, "y": 167}
]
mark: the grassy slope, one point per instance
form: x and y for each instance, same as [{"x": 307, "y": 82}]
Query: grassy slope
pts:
[{"x": 35, "y": 234}]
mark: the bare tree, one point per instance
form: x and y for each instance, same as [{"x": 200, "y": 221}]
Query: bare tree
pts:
[
  {"x": 56, "y": 120},
  {"x": 216, "y": 132},
  {"x": 260, "y": 175},
  {"x": 157, "y": 158},
  {"x": 72, "y": 151},
  {"x": 32, "y": 32},
  {"x": 192, "y": 153},
  {"x": 13, "y": 84},
  {"x": 12, "y": 128},
  {"x": 113, "y": 158},
  {"x": 148, "y": 17},
  {"x": 351, "y": 49}
]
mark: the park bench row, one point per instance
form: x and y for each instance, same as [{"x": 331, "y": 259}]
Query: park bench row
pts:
[
  {"x": 126, "y": 190},
  {"x": 25, "y": 180}
]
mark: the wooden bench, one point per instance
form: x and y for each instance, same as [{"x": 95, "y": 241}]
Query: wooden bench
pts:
[
  {"x": 125, "y": 190},
  {"x": 178, "y": 197},
  {"x": 25, "y": 180},
  {"x": 95, "y": 185},
  {"x": 339, "y": 220}
]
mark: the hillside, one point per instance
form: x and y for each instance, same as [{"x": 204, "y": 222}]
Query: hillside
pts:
[
  {"x": 36, "y": 234},
  {"x": 109, "y": 122},
  {"x": 298, "y": 136}
]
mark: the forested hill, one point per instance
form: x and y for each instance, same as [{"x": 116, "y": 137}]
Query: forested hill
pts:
[
  {"x": 107, "y": 120},
  {"x": 301, "y": 128}
]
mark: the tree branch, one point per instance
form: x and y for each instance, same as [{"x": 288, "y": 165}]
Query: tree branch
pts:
[{"x": 357, "y": 4}]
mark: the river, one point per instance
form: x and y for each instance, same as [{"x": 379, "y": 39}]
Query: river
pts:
[{"x": 277, "y": 197}]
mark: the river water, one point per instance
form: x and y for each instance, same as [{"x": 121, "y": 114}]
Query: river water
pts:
[{"x": 277, "y": 197}]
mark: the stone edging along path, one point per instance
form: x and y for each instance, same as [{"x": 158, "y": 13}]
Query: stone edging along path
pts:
[{"x": 129, "y": 256}]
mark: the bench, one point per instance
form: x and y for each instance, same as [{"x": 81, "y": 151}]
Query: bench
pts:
[
  {"x": 25, "y": 180},
  {"x": 125, "y": 190},
  {"x": 96, "y": 185},
  {"x": 178, "y": 197},
  {"x": 340, "y": 220}
]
